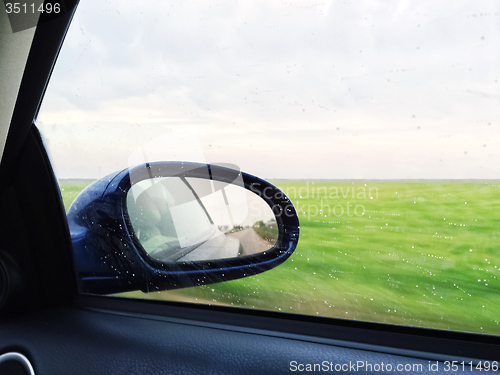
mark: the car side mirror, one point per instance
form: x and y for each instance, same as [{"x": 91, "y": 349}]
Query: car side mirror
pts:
[{"x": 168, "y": 225}]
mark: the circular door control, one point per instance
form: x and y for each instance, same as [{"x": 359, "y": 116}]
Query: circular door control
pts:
[{"x": 15, "y": 364}]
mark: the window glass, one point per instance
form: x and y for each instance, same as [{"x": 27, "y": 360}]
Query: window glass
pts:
[
  {"x": 167, "y": 225},
  {"x": 379, "y": 119}
]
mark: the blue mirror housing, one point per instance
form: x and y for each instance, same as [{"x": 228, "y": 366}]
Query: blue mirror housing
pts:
[{"x": 109, "y": 257}]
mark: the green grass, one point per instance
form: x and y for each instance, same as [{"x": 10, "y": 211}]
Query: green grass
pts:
[
  {"x": 269, "y": 232},
  {"x": 70, "y": 188},
  {"x": 412, "y": 253}
]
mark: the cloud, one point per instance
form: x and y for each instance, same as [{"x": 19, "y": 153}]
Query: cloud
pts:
[{"x": 267, "y": 84}]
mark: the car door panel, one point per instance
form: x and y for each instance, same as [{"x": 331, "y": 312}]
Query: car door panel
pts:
[{"x": 82, "y": 341}]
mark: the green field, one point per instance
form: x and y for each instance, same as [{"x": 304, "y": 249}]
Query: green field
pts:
[
  {"x": 70, "y": 188},
  {"x": 269, "y": 232},
  {"x": 419, "y": 253}
]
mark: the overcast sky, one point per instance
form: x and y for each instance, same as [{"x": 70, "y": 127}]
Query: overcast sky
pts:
[{"x": 289, "y": 89}]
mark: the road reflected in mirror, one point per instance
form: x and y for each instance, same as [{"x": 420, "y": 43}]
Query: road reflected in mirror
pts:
[{"x": 177, "y": 219}]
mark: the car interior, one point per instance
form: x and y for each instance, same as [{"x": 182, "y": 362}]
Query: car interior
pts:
[{"x": 51, "y": 324}]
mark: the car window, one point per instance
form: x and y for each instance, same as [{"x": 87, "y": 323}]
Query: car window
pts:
[
  {"x": 164, "y": 223},
  {"x": 379, "y": 120}
]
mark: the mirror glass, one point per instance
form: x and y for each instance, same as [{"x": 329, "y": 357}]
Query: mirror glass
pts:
[{"x": 179, "y": 219}]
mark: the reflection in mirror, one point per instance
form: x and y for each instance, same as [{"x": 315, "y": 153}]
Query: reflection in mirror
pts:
[{"x": 191, "y": 219}]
